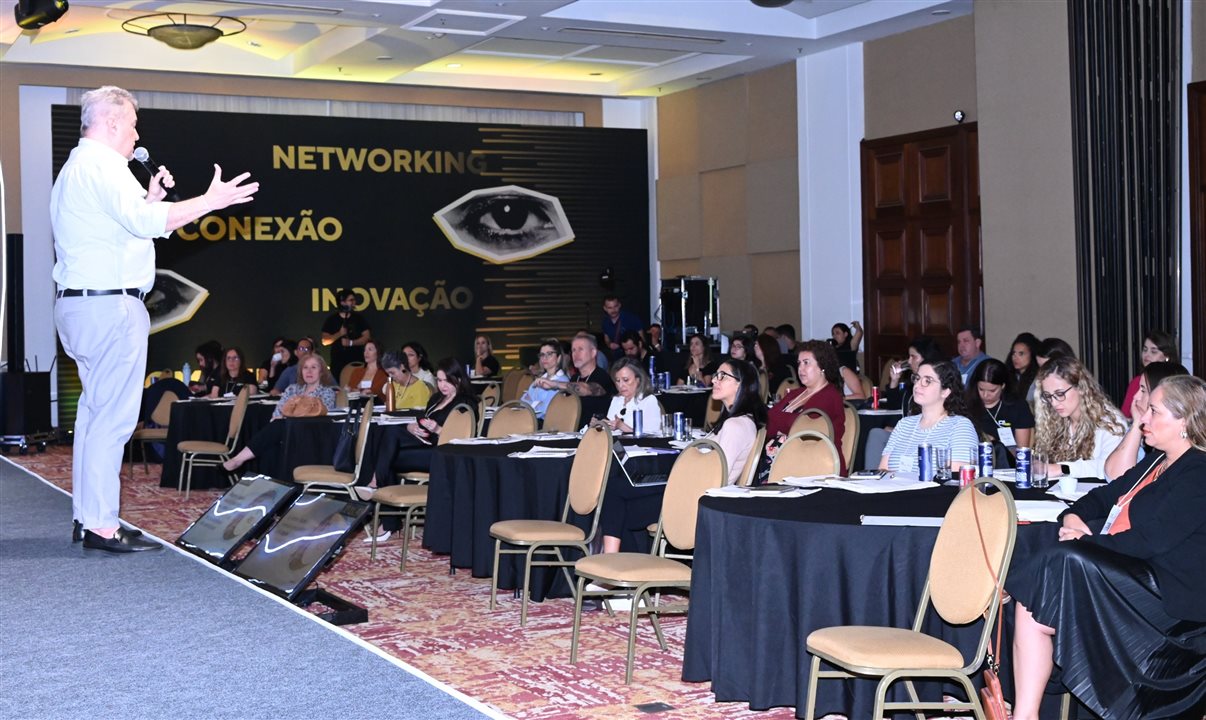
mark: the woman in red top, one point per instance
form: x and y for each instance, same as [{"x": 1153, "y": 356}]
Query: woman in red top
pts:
[{"x": 820, "y": 380}]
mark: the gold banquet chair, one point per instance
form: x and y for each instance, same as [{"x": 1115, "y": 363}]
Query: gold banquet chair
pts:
[
  {"x": 513, "y": 418},
  {"x": 587, "y": 481},
  {"x": 978, "y": 530},
  {"x": 161, "y": 416},
  {"x": 850, "y": 435},
  {"x": 700, "y": 466},
  {"x": 346, "y": 373},
  {"x": 510, "y": 385},
  {"x": 207, "y": 453},
  {"x": 787, "y": 386},
  {"x": 410, "y": 500},
  {"x": 712, "y": 413},
  {"x": 326, "y": 477},
  {"x": 812, "y": 419},
  {"x": 564, "y": 413},
  {"x": 763, "y": 385},
  {"x": 492, "y": 395},
  {"x": 751, "y": 460},
  {"x": 807, "y": 453}
]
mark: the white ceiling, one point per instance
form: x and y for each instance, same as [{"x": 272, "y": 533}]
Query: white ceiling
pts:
[{"x": 596, "y": 47}]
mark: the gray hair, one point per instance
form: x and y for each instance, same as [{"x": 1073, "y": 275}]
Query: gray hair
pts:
[
  {"x": 1185, "y": 398},
  {"x": 97, "y": 104},
  {"x": 594, "y": 342},
  {"x": 644, "y": 386}
]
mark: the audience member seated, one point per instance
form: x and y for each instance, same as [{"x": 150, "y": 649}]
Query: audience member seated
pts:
[
  {"x": 897, "y": 397},
  {"x": 1131, "y": 450},
  {"x": 785, "y": 334},
  {"x": 970, "y": 343},
  {"x": 410, "y": 392},
  {"x": 653, "y": 336},
  {"x": 1119, "y": 603},
  {"x": 698, "y": 366},
  {"x": 847, "y": 344},
  {"x": 418, "y": 364},
  {"x": 817, "y": 365},
  {"x": 1158, "y": 346},
  {"x": 741, "y": 348},
  {"x": 1000, "y": 418},
  {"x": 766, "y": 350},
  {"x": 1023, "y": 358},
  {"x": 633, "y": 346},
  {"x": 209, "y": 366},
  {"x": 633, "y": 392},
  {"x": 941, "y": 421},
  {"x": 369, "y": 379},
  {"x": 317, "y": 382},
  {"x": 551, "y": 379},
  {"x": 735, "y": 386},
  {"x": 1077, "y": 427},
  {"x": 485, "y": 365},
  {"x": 234, "y": 374},
  {"x": 1053, "y": 347},
  {"x": 283, "y": 356},
  {"x": 305, "y": 347}
]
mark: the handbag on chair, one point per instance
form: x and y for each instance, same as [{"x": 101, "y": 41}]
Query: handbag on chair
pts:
[{"x": 992, "y": 698}]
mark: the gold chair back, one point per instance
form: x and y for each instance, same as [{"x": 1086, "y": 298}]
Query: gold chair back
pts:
[
  {"x": 786, "y": 386},
  {"x": 236, "y": 417},
  {"x": 712, "y": 414},
  {"x": 459, "y": 424},
  {"x": 162, "y": 414},
  {"x": 564, "y": 413},
  {"x": 510, "y": 385},
  {"x": 346, "y": 373},
  {"x": 588, "y": 475},
  {"x": 813, "y": 419},
  {"x": 850, "y": 434},
  {"x": 751, "y": 460},
  {"x": 492, "y": 395},
  {"x": 341, "y": 398},
  {"x": 700, "y": 466},
  {"x": 763, "y": 385},
  {"x": 961, "y": 585},
  {"x": 513, "y": 418},
  {"x": 366, "y": 421},
  {"x": 804, "y": 454}
]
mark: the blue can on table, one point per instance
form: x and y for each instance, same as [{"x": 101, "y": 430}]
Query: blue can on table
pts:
[
  {"x": 638, "y": 423},
  {"x": 680, "y": 426},
  {"x": 1022, "y": 475},
  {"x": 925, "y": 462},
  {"x": 984, "y": 467}
]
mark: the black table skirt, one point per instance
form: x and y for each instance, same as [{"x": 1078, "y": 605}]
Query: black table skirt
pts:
[
  {"x": 201, "y": 420},
  {"x": 693, "y": 405},
  {"x": 865, "y": 424},
  {"x": 474, "y": 486},
  {"x": 768, "y": 572}
]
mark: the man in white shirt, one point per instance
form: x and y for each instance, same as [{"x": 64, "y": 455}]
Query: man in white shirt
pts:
[{"x": 104, "y": 223}]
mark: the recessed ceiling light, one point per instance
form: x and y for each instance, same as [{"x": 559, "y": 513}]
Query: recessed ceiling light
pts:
[
  {"x": 749, "y": 44},
  {"x": 544, "y": 28},
  {"x": 454, "y": 65},
  {"x": 941, "y": 12},
  {"x": 253, "y": 43},
  {"x": 72, "y": 31},
  {"x": 703, "y": 77},
  {"x": 385, "y": 57},
  {"x": 595, "y": 74}
]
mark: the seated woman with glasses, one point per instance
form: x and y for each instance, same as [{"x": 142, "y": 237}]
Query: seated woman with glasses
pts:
[
  {"x": 1132, "y": 449},
  {"x": 939, "y": 418},
  {"x": 820, "y": 383},
  {"x": 634, "y": 392},
  {"x": 305, "y": 347},
  {"x": 735, "y": 385},
  {"x": 544, "y": 388},
  {"x": 234, "y": 374},
  {"x": 409, "y": 391},
  {"x": 1000, "y": 418},
  {"x": 1117, "y": 607},
  {"x": 1076, "y": 426}
]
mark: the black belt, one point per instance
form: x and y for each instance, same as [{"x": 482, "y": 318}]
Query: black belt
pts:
[{"x": 132, "y": 292}]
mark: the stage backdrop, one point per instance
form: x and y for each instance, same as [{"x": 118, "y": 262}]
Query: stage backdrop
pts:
[{"x": 528, "y": 219}]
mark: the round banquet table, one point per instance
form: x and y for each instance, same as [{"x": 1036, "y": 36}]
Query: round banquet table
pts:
[
  {"x": 207, "y": 420},
  {"x": 692, "y": 404},
  {"x": 768, "y": 571},
  {"x": 474, "y": 486}
]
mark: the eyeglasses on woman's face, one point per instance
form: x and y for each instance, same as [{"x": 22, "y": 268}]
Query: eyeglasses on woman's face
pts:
[
  {"x": 304, "y": 348},
  {"x": 924, "y": 380},
  {"x": 549, "y": 354},
  {"x": 1057, "y": 396},
  {"x": 721, "y": 375}
]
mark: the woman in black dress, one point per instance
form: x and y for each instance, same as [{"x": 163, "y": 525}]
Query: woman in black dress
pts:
[{"x": 1119, "y": 604}]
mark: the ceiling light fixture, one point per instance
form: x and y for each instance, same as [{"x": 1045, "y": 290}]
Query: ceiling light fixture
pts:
[
  {"x": 454, "y": 65},
  {"x": 182, "y": 31}
]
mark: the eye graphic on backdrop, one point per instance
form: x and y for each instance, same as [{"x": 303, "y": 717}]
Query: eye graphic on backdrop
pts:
[
  {"x": 173, "y": 300},
  {"x": 505, "y": 224}
]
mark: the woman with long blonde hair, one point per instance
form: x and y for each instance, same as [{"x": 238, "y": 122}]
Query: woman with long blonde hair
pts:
[{"x": 1076, "y": 425}]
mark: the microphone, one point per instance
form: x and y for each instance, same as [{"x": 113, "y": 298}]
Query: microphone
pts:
[{"x": 144, "y": 158}]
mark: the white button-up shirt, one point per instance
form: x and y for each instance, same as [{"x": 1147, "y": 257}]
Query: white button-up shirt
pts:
[{"x": 104, "y": 228}]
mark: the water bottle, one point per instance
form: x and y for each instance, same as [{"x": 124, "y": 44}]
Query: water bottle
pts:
[{"x": 188, "y": 374}]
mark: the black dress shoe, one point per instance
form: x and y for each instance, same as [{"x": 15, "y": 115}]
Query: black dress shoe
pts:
[
  {"x": 123, "y": 541},
  {"x": 77, "y": 531}
]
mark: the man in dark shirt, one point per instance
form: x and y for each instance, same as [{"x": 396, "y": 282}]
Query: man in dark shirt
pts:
[
  {"x": 616, "y": 322},
  {"x": 346, "y": 332}
]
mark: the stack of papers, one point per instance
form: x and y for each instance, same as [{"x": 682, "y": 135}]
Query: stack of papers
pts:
[
  {"x": 1039, "y": 510},
  {"x": 391, "y": 420},
  {"x": 901, "y": 520},
  {"x": 736, "y": 491},
  {"x": 488, "y": 441},
  {"x": 1082, "y": 489},
  {"x": 811, "y": 481},
  {"x": 639, "y": 451},
  {"x": 687, "y": 389},
  {"x": 542, "y": 451}
]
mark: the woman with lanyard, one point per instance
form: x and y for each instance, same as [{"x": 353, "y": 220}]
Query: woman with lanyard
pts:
[
  {"x": 1119, "y": 604},
  {"x": 409, "y": 391},
  {"x": 942, "y": 421},
  {"x": 1001, "y": 419}
]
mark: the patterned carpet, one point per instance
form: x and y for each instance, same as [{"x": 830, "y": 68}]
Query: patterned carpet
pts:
[{"x": 442, "y": 625}]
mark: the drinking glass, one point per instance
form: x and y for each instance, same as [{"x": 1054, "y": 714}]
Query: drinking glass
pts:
[
  {"x": 1038, "y": 470},
  {"x": 667, "y": 425},
  {"x": 942, "y": 463}
]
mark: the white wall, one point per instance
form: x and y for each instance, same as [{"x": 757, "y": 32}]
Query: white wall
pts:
[{"x": 830, "y": 110}]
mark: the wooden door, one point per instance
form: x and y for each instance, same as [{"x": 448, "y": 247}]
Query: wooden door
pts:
[{"x": 921, "y": 244}]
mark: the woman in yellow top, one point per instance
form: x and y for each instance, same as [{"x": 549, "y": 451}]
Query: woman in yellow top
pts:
[{"x": 409, "y": 391}]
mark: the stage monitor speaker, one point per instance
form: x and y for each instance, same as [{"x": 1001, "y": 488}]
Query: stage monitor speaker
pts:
[
  {"x": 14, "y": 300},
  {"x": 690, "y": 304},
  {"x": 243, "y": 512},
  {"x": 26, "y": 400},
  {"x": 308, "y": 536}
]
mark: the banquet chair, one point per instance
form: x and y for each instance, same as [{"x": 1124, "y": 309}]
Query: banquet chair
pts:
[
  {"x": 812, "y": 419},
  {"x": 156, "y": 375},
  {"x": 587, "y": 481},
  {"x": 712, "y": 414},
  {"x": 865, "y": 383},
  {"x": 207, "y": 453},
  {"x": 763, "y": 385},
  {"x": 481, "y": 415},
  {"x": 346, "y": 373},
  {"x": 326, "y": 477},
  {"x": 786, "y": 386},
  {"x": 850, "y": 435},
  {"x": 700, "y": 466},
  {"x": 967, "y": 572},
  {"x": 525, "y": 382},
  {"x": 341, "y": 399},
  {"x": 513, "y": 418},
  {"x": 492, "y": 395},
  {"x": 408, "y": 499},
  {"x": 510, "y": 385},
  {"x": 805, "y": 454},
  {"x": 161, "y": 416},
  {"x": 751, "y": 460},
  {"x": 564, "y": 413}
]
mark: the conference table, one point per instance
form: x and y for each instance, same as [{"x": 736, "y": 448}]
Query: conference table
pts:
[
  {"x": 691, "y": 402},
  {"x": 472, "y": 486},
  {"x": 768, "y": 571}
]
